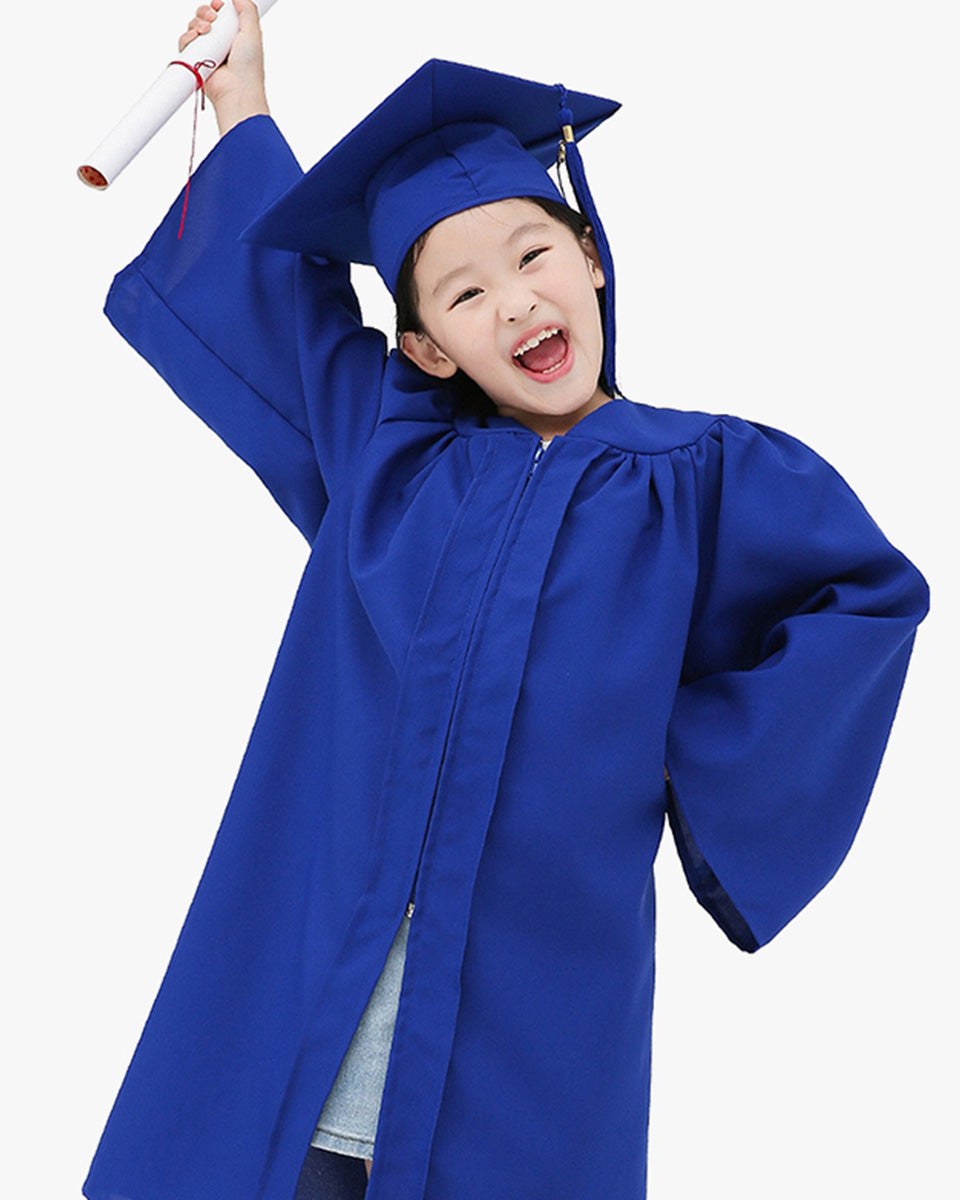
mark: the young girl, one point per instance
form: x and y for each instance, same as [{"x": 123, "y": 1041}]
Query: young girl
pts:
[{"x": 537, "y": 619}]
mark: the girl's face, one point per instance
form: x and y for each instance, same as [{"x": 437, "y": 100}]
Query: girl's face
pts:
[{"x": 507, "y": 294}]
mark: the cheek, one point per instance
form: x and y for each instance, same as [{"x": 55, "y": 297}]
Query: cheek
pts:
[
  {"x": 469, "y": 340},
  {"x": 584, "y": 303}
]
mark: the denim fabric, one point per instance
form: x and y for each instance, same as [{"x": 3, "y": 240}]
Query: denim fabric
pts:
[
  {"x": 327, "y": 1176},
  {"x": 348, "y": 1120}
]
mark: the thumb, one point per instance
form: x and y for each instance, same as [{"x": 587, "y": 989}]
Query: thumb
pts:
[{"x": 247, "y": 13}]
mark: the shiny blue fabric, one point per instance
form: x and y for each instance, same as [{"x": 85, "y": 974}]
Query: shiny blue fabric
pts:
[{"x": 491, "y": 658}]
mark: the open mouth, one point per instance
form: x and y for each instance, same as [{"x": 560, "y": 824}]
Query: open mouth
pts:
[{"x": 545, "y": 354}]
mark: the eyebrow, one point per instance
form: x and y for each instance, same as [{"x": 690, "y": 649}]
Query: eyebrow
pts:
[
  {"x": 519, "y": 233},
  {"x": 528, "y": 227}
]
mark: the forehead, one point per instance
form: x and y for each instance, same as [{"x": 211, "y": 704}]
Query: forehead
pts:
[{"x": 457, "y": 237}]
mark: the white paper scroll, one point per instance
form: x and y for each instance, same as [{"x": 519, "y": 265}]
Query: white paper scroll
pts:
[{"x": 162, "y": 99}]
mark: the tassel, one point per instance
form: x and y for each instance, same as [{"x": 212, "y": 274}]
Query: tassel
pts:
[{"x": 569, "y": 154}]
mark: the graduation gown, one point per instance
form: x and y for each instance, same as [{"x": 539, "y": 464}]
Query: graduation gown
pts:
[{"x": 504, "y": 669}]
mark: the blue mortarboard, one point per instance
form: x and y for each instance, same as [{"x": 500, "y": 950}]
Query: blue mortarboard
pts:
[{"x": 450, "y": 137}]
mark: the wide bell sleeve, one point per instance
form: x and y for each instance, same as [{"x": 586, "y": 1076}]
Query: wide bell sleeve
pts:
[
  {"x": 802, "y": 626},
  {"x": 267, "y": 347}
]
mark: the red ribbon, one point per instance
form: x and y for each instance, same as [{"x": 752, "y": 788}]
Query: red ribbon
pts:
[{"x": 194, "y": 69}]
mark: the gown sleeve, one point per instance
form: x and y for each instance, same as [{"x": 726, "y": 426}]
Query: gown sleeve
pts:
[
  {"x": 266, "y": 346},
  {"x": 801, "y": 630}
]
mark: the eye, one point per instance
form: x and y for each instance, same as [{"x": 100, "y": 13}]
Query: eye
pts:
[
  {"x": 467, "y": 295},
  {"x": 531, "y": 255}
]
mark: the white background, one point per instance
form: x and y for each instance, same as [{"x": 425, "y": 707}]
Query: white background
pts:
[{"x": 781, "y": 191}]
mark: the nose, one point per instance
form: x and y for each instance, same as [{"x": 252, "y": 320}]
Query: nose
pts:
[{"x": 516, "y": 304}]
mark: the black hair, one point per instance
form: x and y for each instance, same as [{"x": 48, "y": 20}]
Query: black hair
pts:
[{"x": 405, "y": 295}]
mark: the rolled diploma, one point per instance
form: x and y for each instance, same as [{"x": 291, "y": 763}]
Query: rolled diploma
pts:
[{"x": 158, "y": 104}]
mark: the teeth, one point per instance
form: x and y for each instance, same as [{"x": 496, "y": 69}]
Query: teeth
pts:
[{"x": 535, "y": 341}]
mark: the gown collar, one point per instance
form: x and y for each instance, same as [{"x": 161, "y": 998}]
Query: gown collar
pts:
[{"x": 622, "y": 423}]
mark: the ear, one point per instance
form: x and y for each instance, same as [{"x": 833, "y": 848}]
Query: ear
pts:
[
  {"x": 428, "y": 356},
  {"x": 592, "y": 256}
]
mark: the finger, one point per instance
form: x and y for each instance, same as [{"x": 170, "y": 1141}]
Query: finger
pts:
[
  {"x": 200, "y": 25},
  {"x": 185, "y": 40}
]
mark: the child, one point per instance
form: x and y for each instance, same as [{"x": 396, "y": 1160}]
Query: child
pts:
[{"x": 537, "y": 619}]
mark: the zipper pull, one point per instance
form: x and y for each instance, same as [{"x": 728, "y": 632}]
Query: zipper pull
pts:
[
  {"x": 410, "y": 908},
  {"x": 536, "y": 458}
]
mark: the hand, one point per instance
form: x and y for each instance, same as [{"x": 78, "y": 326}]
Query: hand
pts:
[{"x": 236, "y": 88}]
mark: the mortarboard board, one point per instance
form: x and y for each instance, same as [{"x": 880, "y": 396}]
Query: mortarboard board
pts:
[{"x": 450, "y": 137}]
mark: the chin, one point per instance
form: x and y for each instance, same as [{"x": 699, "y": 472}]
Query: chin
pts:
[{"x": 555, "y": 400}]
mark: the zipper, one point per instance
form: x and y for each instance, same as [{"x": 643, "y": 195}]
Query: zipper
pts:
[{"x": 538, "y": 453}]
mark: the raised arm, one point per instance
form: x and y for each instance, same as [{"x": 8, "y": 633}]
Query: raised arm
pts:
[{"x": 266, "y": 346}]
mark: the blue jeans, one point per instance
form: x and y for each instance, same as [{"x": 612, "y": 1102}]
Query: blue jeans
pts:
[
  {"x": 329, "y": 1176},
  {"x": 348, "y": 1121}
]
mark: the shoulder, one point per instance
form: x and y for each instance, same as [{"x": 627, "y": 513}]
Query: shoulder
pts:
[{"x": 656, "y": 429}]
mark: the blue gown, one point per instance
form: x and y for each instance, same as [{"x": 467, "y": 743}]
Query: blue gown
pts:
[{"x": 494, "y": 657}]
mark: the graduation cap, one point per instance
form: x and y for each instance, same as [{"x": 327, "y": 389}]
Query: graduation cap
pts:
[{"x": 450, "y": 137}]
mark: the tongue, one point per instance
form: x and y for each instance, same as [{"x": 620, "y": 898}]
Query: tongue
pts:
[{"x": 546, "y": 354}]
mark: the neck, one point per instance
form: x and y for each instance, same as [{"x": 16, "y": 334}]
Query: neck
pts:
[{"x": 550, "y": 425}]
